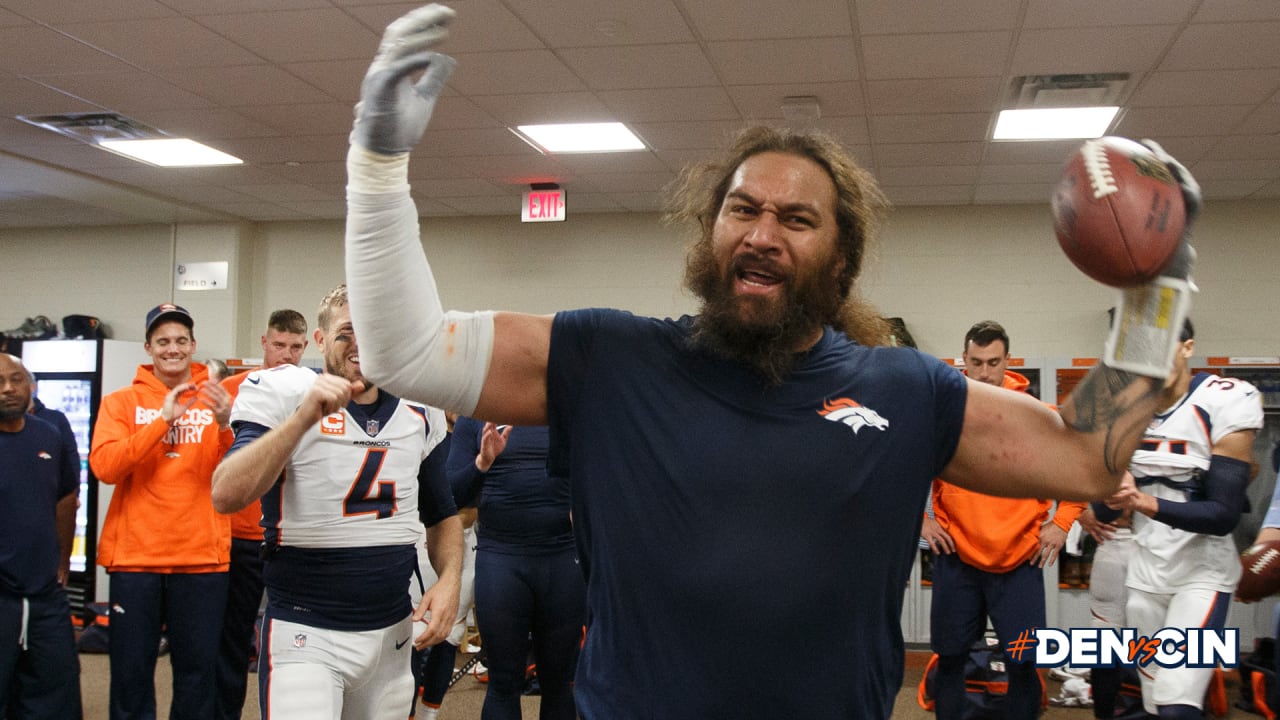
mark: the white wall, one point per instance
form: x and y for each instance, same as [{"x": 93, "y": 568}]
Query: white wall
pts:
[{"x": 940, "y": 268}]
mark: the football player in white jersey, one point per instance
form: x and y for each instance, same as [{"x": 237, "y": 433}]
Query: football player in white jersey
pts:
[
  {"x": 1187, "y": 493},
  {"x": 348, "y": 476}
]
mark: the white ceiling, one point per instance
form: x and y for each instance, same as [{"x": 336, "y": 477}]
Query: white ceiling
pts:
[{"x": 912, "y": 86}]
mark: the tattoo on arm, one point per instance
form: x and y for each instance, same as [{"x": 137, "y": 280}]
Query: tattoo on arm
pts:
[{"x": 1117, "y": 403}]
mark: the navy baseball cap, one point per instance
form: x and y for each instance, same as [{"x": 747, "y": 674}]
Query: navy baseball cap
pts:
[{"x": 168, "y": 312}]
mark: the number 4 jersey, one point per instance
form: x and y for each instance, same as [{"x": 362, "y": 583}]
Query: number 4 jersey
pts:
[{"x": 342, "y": 521}]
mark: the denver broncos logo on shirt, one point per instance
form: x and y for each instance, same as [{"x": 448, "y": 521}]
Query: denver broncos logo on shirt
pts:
[{"x": 852, "y": 413}]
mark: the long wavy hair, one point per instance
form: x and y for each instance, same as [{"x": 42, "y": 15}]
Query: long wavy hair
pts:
[{"x": 699, "y": 191}]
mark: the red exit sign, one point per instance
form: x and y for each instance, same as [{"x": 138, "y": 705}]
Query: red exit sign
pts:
[{"x": 543, "y": 206}]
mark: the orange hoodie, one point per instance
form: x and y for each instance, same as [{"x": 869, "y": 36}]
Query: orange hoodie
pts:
[
  {"x": 245, "y": 523},
  {"x": 161, "y": 517},
  {"x": 996, "y": 534}
]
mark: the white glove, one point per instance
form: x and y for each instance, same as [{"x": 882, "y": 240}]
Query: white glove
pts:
[
  {"x": 393, "y": 112},
  {"x": 1149, "y": 318}
]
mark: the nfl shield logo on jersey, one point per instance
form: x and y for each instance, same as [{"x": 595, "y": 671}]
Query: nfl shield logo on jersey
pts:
[
  {"x": 371, "y": 427},
  {"x": 300, "y": 640}
]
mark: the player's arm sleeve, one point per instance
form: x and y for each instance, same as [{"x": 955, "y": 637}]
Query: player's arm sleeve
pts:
[
  {"x": 1104, "y": 513},
  {"x": 245, "y": 432},
  {"x": 435, "y": 498},
  {"x": 408, "y": 344},
  {"x": 1219, "y": 511},
  {"x": 465, "y": 479},
  {"x": 118, "y": 444}
]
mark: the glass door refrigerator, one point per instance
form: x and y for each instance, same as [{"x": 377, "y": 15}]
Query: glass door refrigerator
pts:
[{"x": 72, "y": 376}]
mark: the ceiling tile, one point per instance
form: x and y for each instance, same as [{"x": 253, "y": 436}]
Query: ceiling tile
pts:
[
  {"x": 248, "y": 85},
  {"x": 826, "y": 59},
  {"x": 533, "y": 108},
  {"x": 768, "y": 19},
  {"x": 518, "y": 71},
  {"x": 480, "y": 25},
  {"x": 125, "y": 92},
  {"x": 340, "y": 78},
  {"x": 640, "y": 66},
  {"x": 1159, "y": 123},
  {"x": 1122, "y": 48},
  {"x": 928, "y": 175},
  {"x": 160, "y": 43},
  {"x": 936, "y": 153},
  {"x": 667, "y": 136},
  {"x": 890, "y": 97},
  {"x": 586, "y": 23},
  {"x": 764, "y": 102},
  {"x": 1225, "y": 46},
  {"x": 1236, "y": 11},
  {"x": 928, "y": 16},
  {"x": 1206, "y": 87},
  {"x": 937, "y": 55},
  {"x": 34, "y": 50},
  {"x": 672, "y": 104},
  {"x": 329, "y": 118},
  {"x": 297, "y": 35},
  {"x": 206, "y": 124},
  {"x": 930, "y": 195},
  {"x": 930, "y": 128},
  {"x": 19, "y": 96},
  {"x": 1105, "y": 13},
  {"x": 57, "y": 12},
  {"x": 619, "y": 163},
  {"x": 229, "y": 7}
]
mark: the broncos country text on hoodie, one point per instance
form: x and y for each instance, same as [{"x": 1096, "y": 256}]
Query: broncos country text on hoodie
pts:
[
  {"x": 161, "y": 518},
  {"x": 996, "y": 534}
]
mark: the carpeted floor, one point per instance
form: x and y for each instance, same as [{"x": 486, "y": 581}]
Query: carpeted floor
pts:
[{"x": 464, "y": 700}]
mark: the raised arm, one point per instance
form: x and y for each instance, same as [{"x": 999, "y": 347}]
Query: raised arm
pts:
[
  {"x": 488, "y": 366},
  {"x": 1013, "y": 445}
]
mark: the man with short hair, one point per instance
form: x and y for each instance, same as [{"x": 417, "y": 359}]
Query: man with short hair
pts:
[
  {"x": 39, "y": 483},
  {"x": 348, "y": 475},
  {"x": 989, "y": 557},
  {"x": 282, "y": 344},
  {"x": 165, "y": 548},
  {"x": 747, "y": 483}
]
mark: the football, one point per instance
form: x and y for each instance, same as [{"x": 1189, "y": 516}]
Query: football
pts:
[
  {"x": 1118, "y": 212},
  {"x": 1261, "y": 571}
]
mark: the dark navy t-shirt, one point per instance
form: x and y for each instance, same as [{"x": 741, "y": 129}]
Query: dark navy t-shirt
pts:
[
  {"x": 35, "y": 473},
  {"x": 747, "y": 546},
  {"x": 523, "y": 510}
]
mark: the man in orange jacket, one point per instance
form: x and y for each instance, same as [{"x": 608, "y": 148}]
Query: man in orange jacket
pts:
[
  {"x": 990, "y": 555},
  {"x": 166, "y": 549},
  {"x": 283, "y": 344}
]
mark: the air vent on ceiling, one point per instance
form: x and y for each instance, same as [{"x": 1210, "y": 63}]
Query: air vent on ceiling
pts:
[
  {"x": 93, "y": 128},
  {"x": 1065, "y": 91}
]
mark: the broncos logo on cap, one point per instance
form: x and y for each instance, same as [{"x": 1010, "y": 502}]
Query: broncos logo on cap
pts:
[{"x": 852, "y": 413}]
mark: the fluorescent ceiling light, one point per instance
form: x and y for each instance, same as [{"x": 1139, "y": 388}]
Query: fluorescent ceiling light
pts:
[
  {"x": 1054, "y": 123},
  {"x": 580, "y": 137},
  {"x": 170, "y": 152}
]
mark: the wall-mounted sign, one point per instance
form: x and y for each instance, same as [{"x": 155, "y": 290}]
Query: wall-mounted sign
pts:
[
  {"x": 201, "y": 276},
  {"x": 543, "y": 206}
]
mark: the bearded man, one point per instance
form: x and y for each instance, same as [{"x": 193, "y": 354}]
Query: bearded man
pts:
[{"x": 748, "y": 483}]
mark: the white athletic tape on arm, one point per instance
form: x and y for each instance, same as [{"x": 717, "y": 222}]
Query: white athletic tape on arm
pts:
[
  {"x": 408, "y": 344},
  {"x": 1148, "y": 327}
]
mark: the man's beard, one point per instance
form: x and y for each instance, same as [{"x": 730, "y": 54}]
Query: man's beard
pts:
[
  {"x": 12, "y": 411},
  {"x": 769, "y": 341}
]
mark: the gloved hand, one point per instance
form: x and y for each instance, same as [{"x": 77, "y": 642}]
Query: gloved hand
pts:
[
  {"x": 1180, "y": 266},
  {"x": 1149, "y": 318},
  {"x": 393, "y": 112}
]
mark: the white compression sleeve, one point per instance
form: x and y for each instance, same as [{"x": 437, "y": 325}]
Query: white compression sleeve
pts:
[{"x": 408, "y": 344}]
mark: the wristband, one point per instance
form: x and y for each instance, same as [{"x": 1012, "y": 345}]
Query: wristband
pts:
[{"x": 1148, "y": 327}]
